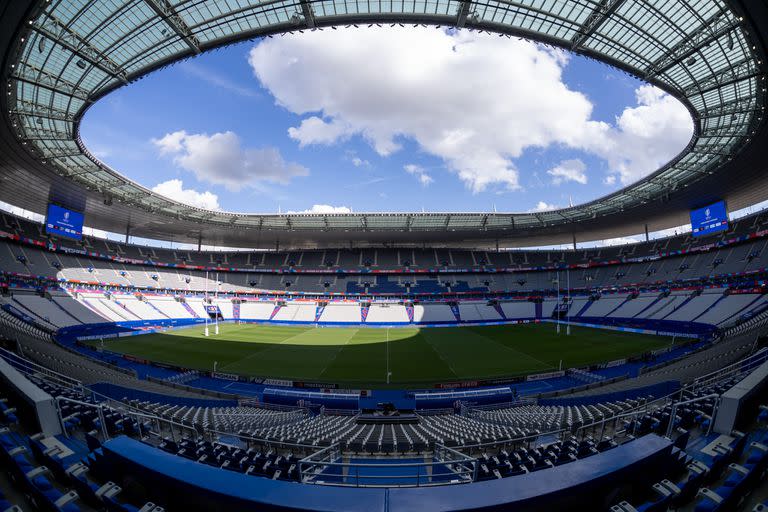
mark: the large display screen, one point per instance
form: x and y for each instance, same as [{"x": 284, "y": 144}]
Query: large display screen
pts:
[
  {"x": 63, "y": 222},
  {"x": 710, "y": 219}
]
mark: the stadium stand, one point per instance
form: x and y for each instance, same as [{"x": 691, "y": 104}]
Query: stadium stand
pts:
[
  {"x": 682, "y": 425},
  {"x": 278, "y": 429}
]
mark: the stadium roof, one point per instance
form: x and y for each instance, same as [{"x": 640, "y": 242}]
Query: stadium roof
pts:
[{"x": 60, "y": 56}]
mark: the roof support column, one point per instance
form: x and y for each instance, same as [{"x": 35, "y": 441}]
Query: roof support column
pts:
[
  {"x": 574, "y": 241},
  {"x": 646, "y": 233},
  {"x": 461, "y": 17},
  {"x": 309, "y": 14},
  {"x": 200, "y": 242}
]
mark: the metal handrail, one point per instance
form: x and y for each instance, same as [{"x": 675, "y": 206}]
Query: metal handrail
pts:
[
  {"x": 308, "y": 468},
  {"x": 504, "y": 405},
  {"x": 732, "y": 369},
  {"x": 643, "y": 408},
  {"x": 708, "y": 379},
  {"x": 28, "y": 367},
  {"x": 263, "y": 441},
  {"x": 673, "y": 414},
  {"x": 99, "y": 410}
]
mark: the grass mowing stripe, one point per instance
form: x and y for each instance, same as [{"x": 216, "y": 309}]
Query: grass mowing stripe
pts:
[
  {"x": 461, "y": 345},
  {"x": 263, "y": 351},
  {"x": 308, "y": 352},
  {"x": 440, "y": 354},
  {"x": 520, "y": 353},
  {"x": 418, "y": 356},
  {"x": 340, "y": 349}
]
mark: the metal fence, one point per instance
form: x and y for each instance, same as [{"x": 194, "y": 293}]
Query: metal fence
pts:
[{"x": 447, "y": 467}]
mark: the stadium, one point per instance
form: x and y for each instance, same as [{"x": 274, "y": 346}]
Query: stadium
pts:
[{"x": 156, "y": 354}]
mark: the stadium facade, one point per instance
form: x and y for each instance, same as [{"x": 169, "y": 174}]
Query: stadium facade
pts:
[
  {"x": 712, "y": 60},
  {"x": 126, "y": 387}
]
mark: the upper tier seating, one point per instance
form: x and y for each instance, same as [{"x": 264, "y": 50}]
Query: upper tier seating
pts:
[{"x": 747, "y": 256}]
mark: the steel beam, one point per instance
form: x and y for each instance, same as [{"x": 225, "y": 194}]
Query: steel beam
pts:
[
  {"x": 593, "y": 22},
  {"x": 166, "y": 11},
  {"x": 50, "y": 27}
]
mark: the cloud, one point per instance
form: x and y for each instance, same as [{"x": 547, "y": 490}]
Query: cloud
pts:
[
  {"x": 418, "y": 171},
  {"x": 21, "y": 212},
  {"x": 474, "y": 100},
  {"x": 610, "y": 179},
  {"x": 217, "y": 80},
  {"x": 350, "y": 155},
  {"x": 317, "y": 131},
  {"x": 220, "y": 159},
  {"x": 174, "y": 189},
  {"x": 375, "y": 180},
  {"x": 100, "y": 152},
  {"x": 326, "y": 208},
  {"x": 623, "y": 240},
  {"x": 171, "y": 142},
  {"x": 646, "y": 136},
  {"x": 542, "y": 206},
  {"x": 569, "y": 170}
]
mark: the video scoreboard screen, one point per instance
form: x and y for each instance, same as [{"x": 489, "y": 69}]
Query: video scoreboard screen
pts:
[
  {"x": 63, "y": 222},
  {"x": 710, "y": 219}
]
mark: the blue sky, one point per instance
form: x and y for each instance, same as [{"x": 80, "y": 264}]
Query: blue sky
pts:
[{"x": 388, "y": 119}]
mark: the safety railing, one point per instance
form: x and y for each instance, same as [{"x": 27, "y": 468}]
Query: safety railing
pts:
[
  {"x": 448, "y": 466},
  {"x": 676, "y": 405},
  {"x": 740, "y": 367},
  {"x": 32, "y": 369},
  {"x": 63, "y": 420},
  {"x": 148, "y": 424},
  {"x": 264, "y": 419}
]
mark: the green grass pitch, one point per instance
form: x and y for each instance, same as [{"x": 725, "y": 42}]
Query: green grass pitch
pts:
[{"x": 358, "y": 355}]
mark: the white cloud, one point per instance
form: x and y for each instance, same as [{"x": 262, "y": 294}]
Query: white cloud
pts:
[
  {"x": 646, "y": 136},
  {"x": 316, "y": 131},
  {"x": 421, "y": 174},
  {"x": 101, "y": 152},
  {"x": 21, "y": 212},
  {"x": 351, "y": 156},
  {"x": 664, "y": 233},
  {"x": 174, "y": 189},
  {"x": 569, "y": 170},
  {"x": 542, "y": 206},
  {"x": 217, "y": 79},
  {"x": 171, "y": 143},
  {"x": 743, "y": 212},
  {"x": 99, "y": 233},
  {"x": 326, "y": 208},
  {"x": 623, "y": 240},
  {"x": 474, "y": 100},
  {"x": 220, "y": 159},
  {"x": 610, "y": 179}
]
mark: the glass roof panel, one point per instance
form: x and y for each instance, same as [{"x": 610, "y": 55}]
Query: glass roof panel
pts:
[{"x": 692, "y": 48}]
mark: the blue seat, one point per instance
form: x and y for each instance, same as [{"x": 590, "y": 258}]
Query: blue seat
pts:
[
  {"x": 756, "y": 457},
  {"x": 709, "y": 501},
  {"x": 690, "y": 483},
  {"x": 762, "y": 416},
  {"x": 661, "y": 501},
  {"x": 52, "y": 498}
]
